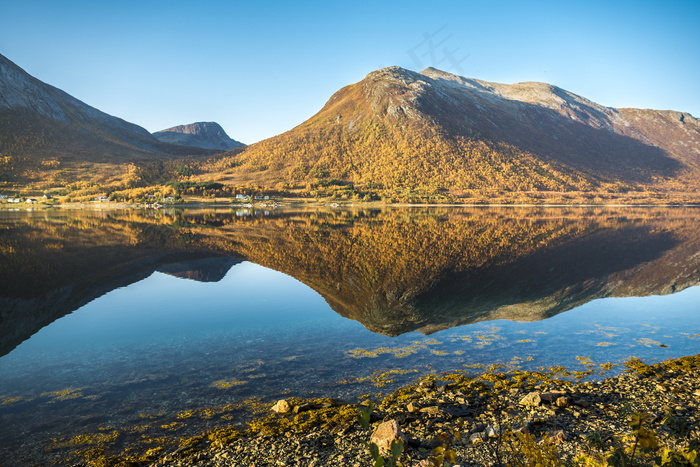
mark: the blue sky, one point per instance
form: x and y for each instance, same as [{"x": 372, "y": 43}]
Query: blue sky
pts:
[{"x": 261, "y": 68}]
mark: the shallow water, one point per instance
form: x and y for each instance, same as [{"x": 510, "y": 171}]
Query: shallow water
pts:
[{"x": 218, "y": 333}]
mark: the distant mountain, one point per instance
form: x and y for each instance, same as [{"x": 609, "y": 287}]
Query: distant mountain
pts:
[
  {"x": 207, "y": 135},
  {"x": 436, "y": 132},
  {"x": 44, "y": 128}
]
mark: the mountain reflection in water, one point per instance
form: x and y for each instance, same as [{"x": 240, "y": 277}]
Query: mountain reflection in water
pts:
[
  {"x": 393, "y": 270},
  {"x": 179, "y": 313}
]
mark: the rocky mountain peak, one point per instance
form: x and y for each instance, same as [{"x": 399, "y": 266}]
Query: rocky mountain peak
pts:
[
  {"x": 207, "y": 135},
  {"x": 396, "y": 73},
  {"x": 398, "y": 87},
  {"x": 199, "y": 128}
]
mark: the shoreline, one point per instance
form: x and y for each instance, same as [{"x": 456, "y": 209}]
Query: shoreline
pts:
[
  {"x": 287, "y": 204},
  {"x": 494, "y": 418}
]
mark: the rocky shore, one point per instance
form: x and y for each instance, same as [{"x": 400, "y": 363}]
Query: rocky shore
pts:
[{"x": 648, "y": 415}]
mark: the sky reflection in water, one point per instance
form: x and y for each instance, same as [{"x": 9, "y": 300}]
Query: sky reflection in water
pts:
[{"x": 256, "y": 323}]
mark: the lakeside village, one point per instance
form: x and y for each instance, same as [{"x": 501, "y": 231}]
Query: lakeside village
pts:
[{"x": 150, "y": 201}]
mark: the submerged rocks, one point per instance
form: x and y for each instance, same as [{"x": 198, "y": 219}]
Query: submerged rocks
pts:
[{"x": 556, "y": 422}]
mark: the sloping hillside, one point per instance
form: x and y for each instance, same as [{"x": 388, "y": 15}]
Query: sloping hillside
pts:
[{"x": 433, "y": 132}]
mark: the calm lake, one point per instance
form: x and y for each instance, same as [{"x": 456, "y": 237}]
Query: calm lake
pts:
[{"x": 121, "y": 326}]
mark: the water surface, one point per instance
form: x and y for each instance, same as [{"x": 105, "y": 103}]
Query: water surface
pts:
[{"x": 115, "y": 319}]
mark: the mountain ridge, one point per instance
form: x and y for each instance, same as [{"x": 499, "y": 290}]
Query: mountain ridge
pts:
[
  {"x": 44, "y": 130},
  {"x": 19, "y": 89}
]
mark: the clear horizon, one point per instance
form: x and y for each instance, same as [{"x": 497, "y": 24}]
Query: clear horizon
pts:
[{"x": 261, "y": 69}]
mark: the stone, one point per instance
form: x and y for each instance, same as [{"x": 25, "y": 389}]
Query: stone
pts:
[
  {"x": 432, "y": 410},
  {"x": 477, "y": 438},
  {"x": 282, "y": 406},
  {"x": 462, "y": 411},
  {"x": 551, "y": 396},
  {"x": 387, "y": 433},
  {"x": 412, "y": 408},
  {"x": 532, "y": 399},
  {"x": 557, "y": 437},
  {"x": 479, "y": 427},
  {"x": 305, "y": 407},
  {"x": 562, "y": 401},
  {"x": 426, "y": 386}
]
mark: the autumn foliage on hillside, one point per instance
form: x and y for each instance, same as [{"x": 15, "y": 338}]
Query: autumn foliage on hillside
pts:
[
  {"x": 402, "y": 135},
  {"x": 396, "y": 136},
  {"x": 377, "y": 156}
]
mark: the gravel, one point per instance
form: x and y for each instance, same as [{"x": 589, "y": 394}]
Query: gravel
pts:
[{"x": 473, "y": 416}]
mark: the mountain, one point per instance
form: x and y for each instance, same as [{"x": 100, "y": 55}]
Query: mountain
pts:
[
  {"x": 45, "y": 129},
  {"x": 435, "y": 132},
  {"x": 208, "y": 135},
  {"x": 397, "y": 134}
]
